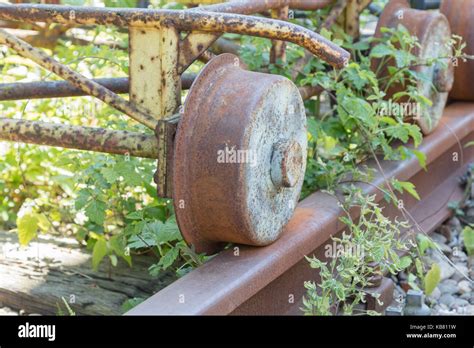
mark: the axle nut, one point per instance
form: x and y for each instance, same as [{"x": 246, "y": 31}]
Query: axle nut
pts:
[{"x": 287, "y": 161}]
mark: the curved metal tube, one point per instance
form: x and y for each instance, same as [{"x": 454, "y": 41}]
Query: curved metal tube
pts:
[{"x": 184, "y": 20}]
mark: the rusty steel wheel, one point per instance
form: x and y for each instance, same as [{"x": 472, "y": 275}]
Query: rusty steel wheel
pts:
[
  {"x": 460, "y": 14},
  {"x": 240, "y": 156},
  {"x": 433, "y": 32}
]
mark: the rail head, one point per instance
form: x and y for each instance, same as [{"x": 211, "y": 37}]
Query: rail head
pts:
[{"x": 187, "y": 20}]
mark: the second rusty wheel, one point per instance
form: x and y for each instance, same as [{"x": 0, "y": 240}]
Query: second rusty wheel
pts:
[
  {"x": 240, "y": 156},
  {"x": 460, "y": 14},
  {"x": 433, "y": 33}
]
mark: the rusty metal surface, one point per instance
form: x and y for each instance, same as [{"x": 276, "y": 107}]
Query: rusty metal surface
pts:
[
  {"x": 255, "y": 6},
  {"x": 88, "y": 86},
  {"x": 460, "y": 14},
  {"x": 56, "y": 89},
  {"x": 350, "y": 19},
  {"x": 61, "y": 89},
  {"x": 197, "y": 42},
  {"x": 259, "y": 280},
  {"x": 433, "y": 32},
  {"x": 81, "y": 138},
  {"x": 227, "y": 186},
  {"x": 278, "y": 50},
  {"x": 226, "y": 46},
  {"x": 309, "y": 5},
  {"x": 154, "y": 80},
  {"x": 182, "y": 20}
]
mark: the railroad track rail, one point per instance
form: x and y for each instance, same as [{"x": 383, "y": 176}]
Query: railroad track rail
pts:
[{"x": 263, "y": 281}]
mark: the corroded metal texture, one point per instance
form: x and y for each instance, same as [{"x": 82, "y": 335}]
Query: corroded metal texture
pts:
[
  {"x": 245, "y": 6},
  {"x": 61, "y": 89},
  {"x": 196, "y": 42},
  {"x": 88, "y": 86},
  {"x": 261, "y": 281},
  {"x": 350, "y": 19},
  {"x": 310, "y": 91},
  {"x": 154, "y": 79},
  {"x": 225, "y": 46},
  {"x": 119, "y": 85},
  {"x": 278, "y": 50},
  {"x": 182, "y": 20},
  {"x": 81, "y": 138},
  {"x": 252, "y": 6},
  {"x": 222, "y": 182},
  {"x": 433, "y": 33},
  {"x": 56, "y": 89},
  {"x": 460, "y": 14},
  {"x": 335, "y": 13},
  {"x": 309, "y": 5},
  {"x": 155, "y": 83}
]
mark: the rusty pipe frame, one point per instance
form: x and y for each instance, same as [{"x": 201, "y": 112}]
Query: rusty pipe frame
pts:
[
  {"x": 196, "y": 43},
  {"x": 252, "y": 6},
  {"x": 80, "y": 138},
  {"x": 86, "y": 85},
  {"x": 119, "y": 85},
  {"x": 183, "y": 20},
  {"x": 61, "y": 89}
]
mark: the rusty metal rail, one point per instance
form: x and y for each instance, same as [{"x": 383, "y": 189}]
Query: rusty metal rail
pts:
[
  {"x": 61, "y": 89},
  {"x": 261, "y": 280},
  {"x": 119, "y": 85},
  {"x": 80, "y": 138}
]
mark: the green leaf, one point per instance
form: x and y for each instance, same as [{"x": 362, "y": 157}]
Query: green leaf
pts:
[
  {"x": 169, "y": 258},
  {"x": 113, "y": 260},
  {"x": 128, "y": 171},
  {"x": 432, "y": 278},
  {"x": 27, "y": 226},
  {"x": 339, "y": 289},
  {"x": 43, "y": 222},
  {"x": 83, "y": 197},
  {"x": 95, "y": 211},
  {"x": 99, "y": 252},
  {"x": 405, "y": 262},
  {"x": 468, "y": 237},
  {"x": 378, "y": 253},
  {"x": 421, "y": 157},
  {"x": 110, "y": 174},
  {"x": 412, "y": 281},
  {"x": 407, "y": 186},
  {"x": 312, "y": 127},
  {"x": 419, "y": 267},
  {"x": 117, "y": 244},
  {"x": 380, "y": 51},
  {"x": 135, "y": 215},
  {"x": 131, "y": 302},
  {"x": 424, "y": 243}
]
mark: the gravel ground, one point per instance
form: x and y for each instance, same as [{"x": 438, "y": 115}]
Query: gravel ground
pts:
[{"x": 454, "y": 294}]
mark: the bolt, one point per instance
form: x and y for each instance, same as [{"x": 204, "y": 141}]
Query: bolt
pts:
[
  {"x": 286, "y": 164},
  {"x": 393, "y": 311},
  {"x": 414, "y": 298},
  {"x": 415, "y": 303}
]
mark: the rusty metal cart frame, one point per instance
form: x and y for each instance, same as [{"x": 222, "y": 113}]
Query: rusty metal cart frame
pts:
[{"x": 158, "y": 57}]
